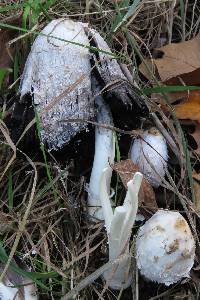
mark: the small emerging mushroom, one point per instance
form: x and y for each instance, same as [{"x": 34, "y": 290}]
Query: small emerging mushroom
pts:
[
  {"x": 149, "y": 153},
  {"x": 165, "y": 248}
]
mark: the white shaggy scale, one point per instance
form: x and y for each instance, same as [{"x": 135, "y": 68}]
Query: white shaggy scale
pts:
[
  {"x": 52, "y": 67},
  {"x": 58, "y": 75},
  {"x": 165, "y": 248},
  {"x": 150, "y": 155}
]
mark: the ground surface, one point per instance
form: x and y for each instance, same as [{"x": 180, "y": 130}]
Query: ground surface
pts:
[{"x": 43, "y": 196}]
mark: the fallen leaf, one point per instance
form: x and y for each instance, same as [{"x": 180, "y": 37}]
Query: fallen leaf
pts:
[
  {"x": 179, "y": 60},
  {"x": 196, "y": 176},
  {"x": 180, "y": 64},
  {"x": 126, "y": 170},
  {"x": 189, "y": 109}
]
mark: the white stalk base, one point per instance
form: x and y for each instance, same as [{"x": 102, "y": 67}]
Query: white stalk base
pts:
[{"x": 119, "y": 226}]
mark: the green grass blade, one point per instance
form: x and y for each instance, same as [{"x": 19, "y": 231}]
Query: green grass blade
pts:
[
  {"x": 34, "y": 276},
  {"x": 25, "y": 15},
  {"x": 120, "y": 13},
  {"x": 8, "y": 8},
  {"x": 169, "y": 89},
  {"x": 3, "y": 73},
  {"x": 129, "y": 13},
  {"x": 16, "y": 67}
]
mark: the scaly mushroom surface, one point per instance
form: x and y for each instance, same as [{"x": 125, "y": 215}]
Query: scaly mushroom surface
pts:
[
  {"x": 150, "y": 154},
  {"x": 165, "y": 248},
  {"x": 58, "y": 76}
]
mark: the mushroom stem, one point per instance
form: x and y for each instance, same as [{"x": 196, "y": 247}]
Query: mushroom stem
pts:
[
  {"x": 103, "y": 158},
  {"x": 119, "y": 226}
]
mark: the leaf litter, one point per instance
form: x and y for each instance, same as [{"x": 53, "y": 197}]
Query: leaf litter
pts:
[
  {"x": 179, "y": 62},
  {"x": 73, "y": 247},
  {"x": 126, "y": 169}
]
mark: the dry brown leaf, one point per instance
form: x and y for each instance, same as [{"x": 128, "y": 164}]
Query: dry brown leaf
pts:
[
  {"x": 179, "y": 64},
  {"x": 189, "y": 109},
  {"x": 196, "y": 176},
  {"x": 180, "y": 60},
  {"x": 126, "y": 170}
]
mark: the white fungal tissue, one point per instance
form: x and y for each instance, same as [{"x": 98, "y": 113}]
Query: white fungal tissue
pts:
[
  {"x": 54, "y": 65},
  {"x": 119, "y": 226},
  {"x": 149, "y": 153},
  {"x": 165, "y": 248},
  {"x": 104, "y": 156},
  {"x": 58, "y": 76}
]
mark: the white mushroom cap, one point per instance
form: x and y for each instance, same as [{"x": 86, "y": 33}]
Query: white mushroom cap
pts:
[
  {"x": 58, "y": 75},
  {"x": 150, "y": 155},
  {"x": 54, "y": 65},
  {"x": 165, "y": 248}
]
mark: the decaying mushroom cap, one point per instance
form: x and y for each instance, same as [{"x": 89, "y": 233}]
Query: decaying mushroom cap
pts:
[
  {"x": 165, "y": 248},
  {"x": 54, "y": 65}
]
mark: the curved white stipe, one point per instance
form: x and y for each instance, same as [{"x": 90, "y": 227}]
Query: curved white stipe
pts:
[{"x": 119, "y": 226}]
